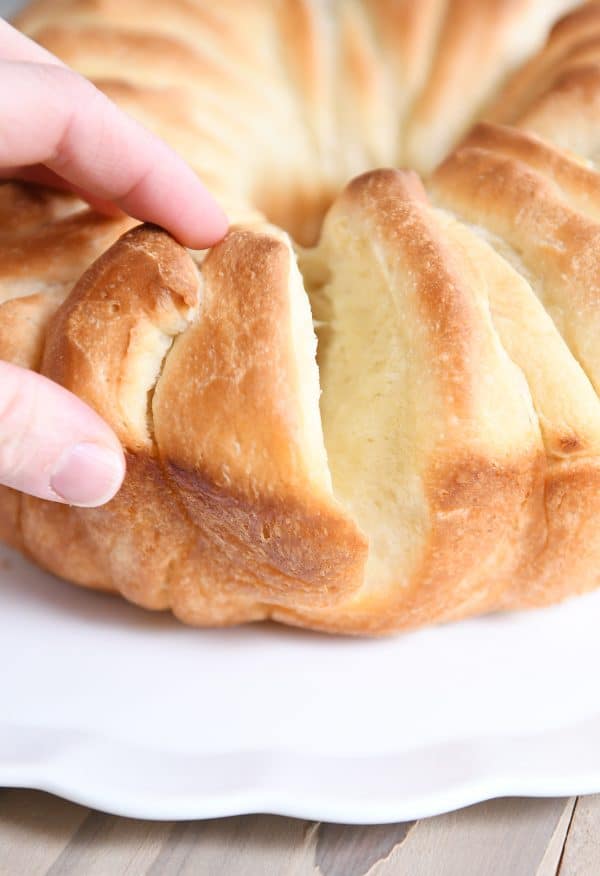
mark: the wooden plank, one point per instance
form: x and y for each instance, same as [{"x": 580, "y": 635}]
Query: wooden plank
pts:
[
  {"x": 256, "y": 845},
  {"x": 41, "y": 835},
  {"x": 34, "y": 830},
  {"x": 551, "y": 861},
  {"x": 344, "y": 850},
  {"x": 105, "y": 844},
  {"x": 507, "y": 837},
  {"x": 581, "y": 856}
]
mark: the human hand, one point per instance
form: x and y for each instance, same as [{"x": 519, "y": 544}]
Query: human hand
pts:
[{"x": 57, "y": 129}]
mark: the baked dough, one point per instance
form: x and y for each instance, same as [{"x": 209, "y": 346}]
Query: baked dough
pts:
[{"x": 437, "y": 453}]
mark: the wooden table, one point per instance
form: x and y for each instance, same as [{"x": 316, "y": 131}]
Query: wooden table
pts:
[{"x": 41, "y": 834}]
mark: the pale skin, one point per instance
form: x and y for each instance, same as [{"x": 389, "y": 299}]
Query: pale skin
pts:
[{"x": 57, "y": 129}]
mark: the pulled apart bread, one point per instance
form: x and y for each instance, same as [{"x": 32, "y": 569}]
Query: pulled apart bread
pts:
[{"x": 394, "y": 421}]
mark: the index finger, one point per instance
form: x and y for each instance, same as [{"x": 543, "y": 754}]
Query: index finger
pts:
[{"x": 55, "y": 117}]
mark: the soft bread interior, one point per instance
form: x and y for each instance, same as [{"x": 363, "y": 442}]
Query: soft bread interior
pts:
[
  {"x": 304, "y": 343},
  {"x": 388, "y": 412},
  {"x": 566, "y": 404},
  {"x": 533, "y": 225},
  {"x": 367, "y": 394},
  {"x": 392, "y": 404}
]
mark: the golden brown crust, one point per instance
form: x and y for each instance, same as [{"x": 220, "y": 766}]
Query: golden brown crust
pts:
[
  {"x": 530, "y": 204},
  {"x": 480, "y": 43},
  {"x": 567, "y": 563},
  {"x": 24, "y": 207},
  {"x": 54, "y": 255},
  {"x": 108, "y": 340},
  {"x": 46, "y": 240},
  {"x": 567, "y": 114},
  {"x": 204, "y": 368},
  {"x": 196, "y": 516},
  {"x": 569, "y": 42},
  {"x": 135, "y": 545},
  {"x": 485, "y": 520},
  {"x": 236, "y": 455},
  {"x": 557, "y": 245},
  {"x": 481, "y": 483},
  {"x": 557, "y": 94},
  {"x": 106, "y": 344},
  {"x": 578, "y": 181}
]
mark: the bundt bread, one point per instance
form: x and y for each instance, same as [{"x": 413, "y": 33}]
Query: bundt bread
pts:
[{"x": 437, "y": 453}]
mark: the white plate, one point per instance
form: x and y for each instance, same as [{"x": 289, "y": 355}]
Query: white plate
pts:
[{"x": 132, "y": 713}]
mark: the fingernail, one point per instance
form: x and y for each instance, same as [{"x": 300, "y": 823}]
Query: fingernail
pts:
[{"x": 87, "y": 474}]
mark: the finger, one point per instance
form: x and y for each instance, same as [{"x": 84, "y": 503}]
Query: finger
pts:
[
  {"x": 52, "y": 445},
  {"x": 54, "y": 117}
]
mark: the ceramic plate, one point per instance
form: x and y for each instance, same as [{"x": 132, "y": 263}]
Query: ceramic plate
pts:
[{"x": 130, "y": 712}]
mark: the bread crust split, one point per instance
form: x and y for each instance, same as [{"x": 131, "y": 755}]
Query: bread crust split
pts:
[
  {"x": 393, "y": 420},
  {"x": 219, "y": 512}
]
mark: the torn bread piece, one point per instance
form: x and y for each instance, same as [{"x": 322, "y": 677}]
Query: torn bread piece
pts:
[
  {"x": 237, "y": 425},
  {"x": 210, "y": 382}
]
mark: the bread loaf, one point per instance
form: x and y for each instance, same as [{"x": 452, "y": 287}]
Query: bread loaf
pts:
[{"x": 374, "y": 405}]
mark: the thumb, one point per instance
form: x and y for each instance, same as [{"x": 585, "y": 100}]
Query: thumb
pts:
[{"x": 53, "y": 445}]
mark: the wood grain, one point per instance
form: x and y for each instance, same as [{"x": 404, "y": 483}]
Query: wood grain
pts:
[
  {"x": 41, "y": 835},
  {"x": 344, "y": 850},
  {"x": 34, "y": 829},
  {"x": 552, "y": 856},
  {"x": 103, "y": 844},
  {"x": 581, "y": 855},
  {"x": 507, "y": 836},
  {"x": 245, "y": 846}
]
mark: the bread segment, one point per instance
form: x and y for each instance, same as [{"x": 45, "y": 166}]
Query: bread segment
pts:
[
  {"x": 571, "y": 44},
  {"x": 432, "y": 441},
  {"x": 567, "y": 114},
  {"x": 480, "y": 43},
  {"x": 557, "y": 93},
  {"x": 238, "y": 429},
  {"x": 525, "y": 203},
  {"x": 551, "y": 242}
]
